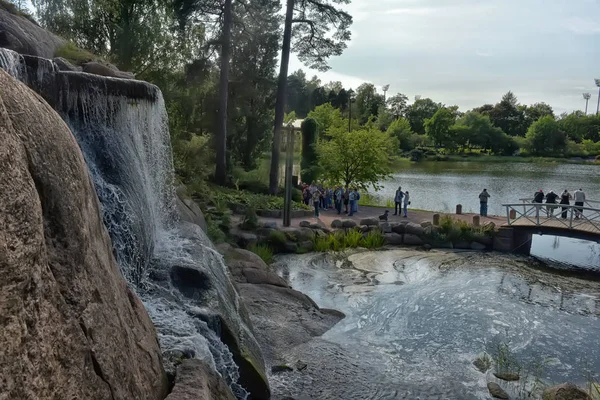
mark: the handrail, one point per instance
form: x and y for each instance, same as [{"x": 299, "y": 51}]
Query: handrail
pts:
[
  {"x": 576, "y": 218},
  {"x": 530, "y": 200}
]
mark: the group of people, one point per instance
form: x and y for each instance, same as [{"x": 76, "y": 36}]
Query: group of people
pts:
[
  {"x": 565, "y": 199},
  {"x": 401, "y": 199},
  {"x": 326, "y": 198}
]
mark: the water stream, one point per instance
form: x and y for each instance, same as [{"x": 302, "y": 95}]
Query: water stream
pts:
[
  {"x": 121, "y": 127},
  {"x": 416, "y": 321}
]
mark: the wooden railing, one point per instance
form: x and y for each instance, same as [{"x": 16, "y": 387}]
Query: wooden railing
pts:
[{"x": 583, "y": 218}]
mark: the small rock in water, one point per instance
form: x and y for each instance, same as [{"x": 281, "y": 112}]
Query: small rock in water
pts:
[
  {"x": 482, "y": 363},
  {"x": 300, "y": 366},
  {"x": 496, "y": 391},
  {"x": 507, "y": 376},
  {"x": 281, "y": 368}
]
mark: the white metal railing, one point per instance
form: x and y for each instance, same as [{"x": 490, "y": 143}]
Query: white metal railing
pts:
[
  {"x": 556, "y": 215},
  {"x": 588, "y": 203}
]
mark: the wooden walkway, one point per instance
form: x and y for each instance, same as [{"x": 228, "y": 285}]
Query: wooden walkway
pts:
[{"x": 549, "y": 217}]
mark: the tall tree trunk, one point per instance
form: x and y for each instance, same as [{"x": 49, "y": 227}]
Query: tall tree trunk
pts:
[
  {"x": 280, "y": 104},
  {"x": 221, "y": 140}
]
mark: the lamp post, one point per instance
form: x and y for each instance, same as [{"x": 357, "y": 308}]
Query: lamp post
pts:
[
  {"x": 350, "y": 101},
  {"x": 385, "y": 88},
  {"x": 598, "y": 106},
  {"x": 586, "y": 97}
]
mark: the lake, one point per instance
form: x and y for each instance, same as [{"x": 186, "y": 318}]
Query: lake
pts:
[{"x": 440, "y": 186}]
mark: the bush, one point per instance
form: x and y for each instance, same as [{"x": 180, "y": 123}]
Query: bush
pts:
[
  {"x": 254, "y": 186},
  {"x": 352, "y": 238},
  {"x": 214, "y": 232},
  {"x": 416, "y": 155},
  {"x": 250, "y": 221},
  {"x": 277, "y": 238},
  {"x": 263, "y": 251},
  {"x": 193, "y": 160},
  {"x": 373, "y": 240},
  {"x": 74, "y": 54}
]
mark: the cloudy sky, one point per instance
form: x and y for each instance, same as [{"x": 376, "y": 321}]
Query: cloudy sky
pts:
[{"x": 470, "y": 52}]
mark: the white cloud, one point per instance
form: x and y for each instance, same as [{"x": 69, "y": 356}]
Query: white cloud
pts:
[{"x": 583, "y": 26}]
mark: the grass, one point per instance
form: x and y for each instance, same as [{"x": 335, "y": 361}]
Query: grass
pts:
[
  {"x": 457, "y": 230},
  {"x": 352, "y": 238},
  {"x": 373, "y": 240},
  {"x": 74, "y": 54},
  {"x": 349, "y": 239},
  {"x": 265, "y": 252}
]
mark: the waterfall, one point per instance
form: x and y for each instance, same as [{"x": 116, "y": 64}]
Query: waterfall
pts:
[{"x": 122, "y": 129}]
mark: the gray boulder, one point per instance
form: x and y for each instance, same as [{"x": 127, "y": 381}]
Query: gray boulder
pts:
[
  {"x": 196, "y": 381},
  {"x": 414, "y": 229},
  {"x": 22, "y": 35},
  {"x": 399, "y": 228},
  {"x": 189, "y": 210},
  {"x": 369, "y": 221},
  {"x": 425, "y": 224},
  {"x": 348, "y": 223},
  {"x": 65, "y": 65},
  {"x": 412, "y": 240},
  {"x": 566, "y": 391},
  {"x": 364, "y": 228},
  {"x": 478, "y": 246},
  {"x": 393, "y": 239},
  {"x": 304, "y": 224},
  {"x": 386, "y": 227},
  {"x": 336, "y": 224}
]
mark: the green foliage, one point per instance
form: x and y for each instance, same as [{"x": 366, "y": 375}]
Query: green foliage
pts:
[
  {"x": 359, "y": 158},
  {"x": 438, "y": 126},
  {"x": 16, "y": 8},
  {"x": 74, "y": 54},
  {"x": 327, "y": 118},
  {"x": 416, "y": 155},
  {"x": 507, "y": 116},
  {"x": 256, "y": 201},
  {"x": 309, "y": 154},
  {"x": 352, "y": 238},
  {"x": 193, "y": 158},
  {"x": 373, "y": 240},
  {"x": 214, "y": 232},
  {"x": 397, "y": 104},
  {"x": 419, "y": 111},
  {"x": 545, "y": 137},
  {"x": 264, "y": 251},
  {"x": 250, "y": 221},
  {"x": 400, "y": 129},
  {"x": 368, "y": 102},
  {"x": 277, "y": 238}
]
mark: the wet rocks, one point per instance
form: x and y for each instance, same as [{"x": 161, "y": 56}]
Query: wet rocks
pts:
[
  {"x": 399, "y": 228},
  {"x": 336, "y": 224},
  {"x": 507, "y": 376},
  {"x": 386, "y": 228},
  {"x": 301, "y": 366},
  {"x": 477, "y": 246},
  {"x": 276, "y": 369},
  {"x": 414, "y": 229},
  {"x": 304, "y": 224},
  {"x": 196, "y": 381},
  {"x": 413, "y": 240},
  {"x": 348, "y": 223},
  {"x": 483, "y": 363},
  {"x": 496, "y": 391},
  {"x": 566, "y": 391},
  {"x": 393, "y": 239}
]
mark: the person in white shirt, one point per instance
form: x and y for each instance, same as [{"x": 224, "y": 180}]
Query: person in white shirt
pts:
[
  {"x": 406, "y": 203},
  {"x": 579, "y": 198}
]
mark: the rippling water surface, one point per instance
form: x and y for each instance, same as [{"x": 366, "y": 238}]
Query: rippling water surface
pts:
[{"x": 416, "y": 321}]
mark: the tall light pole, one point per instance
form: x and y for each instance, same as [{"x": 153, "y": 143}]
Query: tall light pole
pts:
[
  {"x": 586, "y": 97},
  {"x": 385, "y": 89},
  {"x": 598, "y": 106},
  {"x": 350, "y": 101}
]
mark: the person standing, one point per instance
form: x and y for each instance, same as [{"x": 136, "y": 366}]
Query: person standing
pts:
[
  {"x": 398, "y": 201},
  {"x": 538, "y": 197},
  {"x": 565, "y": 199},
  {"x": 579, "y": 198},
  {"x": 483, "y": 202},
  {"x": 356, "y": 199},
  {"x": 406, "y": 203},
  {"x": 550, "y": 199},
  {"x": 351, "y": 201},
  {"x": 346, "y": 199},
  {"x": 316, "y": 197}
]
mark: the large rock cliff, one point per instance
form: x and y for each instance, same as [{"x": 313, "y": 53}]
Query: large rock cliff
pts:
[{"x": 70, "y": 328}]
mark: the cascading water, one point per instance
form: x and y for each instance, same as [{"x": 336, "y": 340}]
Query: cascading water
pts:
[{"x": 122, "y": 129}]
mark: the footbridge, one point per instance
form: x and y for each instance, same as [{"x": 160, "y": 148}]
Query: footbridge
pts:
[{"x": 526, "y": 218}]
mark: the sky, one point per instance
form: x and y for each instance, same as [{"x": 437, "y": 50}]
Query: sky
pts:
[{"x": 471, "y": 52}]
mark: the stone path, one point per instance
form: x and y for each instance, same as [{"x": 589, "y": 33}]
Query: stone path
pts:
[{"x": 326, "y": 216}]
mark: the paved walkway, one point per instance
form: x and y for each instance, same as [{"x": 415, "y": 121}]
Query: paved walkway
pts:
[{"x": 326, "y": 216}]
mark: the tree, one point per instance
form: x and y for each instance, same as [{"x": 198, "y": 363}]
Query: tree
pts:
[
  {"x": 384, "y": 118},
  {"x": 397, "y": 104},
  {"x": 400, "y": 129},
  {"x": 545, "y": 137},
  {"x": 221, "y": 137},
  {"x": 438, "y": 126},
  {"x": 418, "y": 112},
  {"x": 327, "y": 118},
  {"x": 308, "y": 163},
  {"x": 314, "y": 44},
  {"x": 360, "y": 158},
  {"x": 368, "y": 101},
  {"x": 507, "y": 116}
]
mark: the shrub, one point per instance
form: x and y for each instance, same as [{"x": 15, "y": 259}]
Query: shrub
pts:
[
  {"x": 214, "y": 232},
  {"x": 263, "y": 251},
  {"x": 373, "y": 240},
  {"x": 321, "y": 244},
  {"x": 74, "y": 54},
  {"x": 352, "y": 238},
  {"x": 416, "y": 155},
  {"x": 250, "y": 221},
  {"x": 277, "y": 238}
]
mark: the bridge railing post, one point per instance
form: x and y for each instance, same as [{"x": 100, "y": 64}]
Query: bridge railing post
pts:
[
  {"x": 508, "y": 214},
  {"x": 537, "y": 213},
  {"x": 571, "y": 217}
]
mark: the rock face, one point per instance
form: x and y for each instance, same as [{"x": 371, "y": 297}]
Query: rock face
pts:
[
  {"x": 196, "y": 381},
  {"x": 189, "y": 210},
  {"x": 71, "y": 328},
  {"x": 23, "y": 36},
  {"x": 566, "y": 391}
]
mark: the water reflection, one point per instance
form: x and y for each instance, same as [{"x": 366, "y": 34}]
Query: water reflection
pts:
[
  {"x": 421, "y": 318},
  {"x": 567, "y": 251}
]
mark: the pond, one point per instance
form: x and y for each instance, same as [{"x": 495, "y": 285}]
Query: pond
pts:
[
  {"x": 440, "y": 186},
  {"x": 416, "y": 321}
]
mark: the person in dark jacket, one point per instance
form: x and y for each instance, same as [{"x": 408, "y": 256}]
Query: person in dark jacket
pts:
[
  {"x": 538, "y": 197},
  {"x": 550, "y": 199},
  {"x": 565, "y": 199}
]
